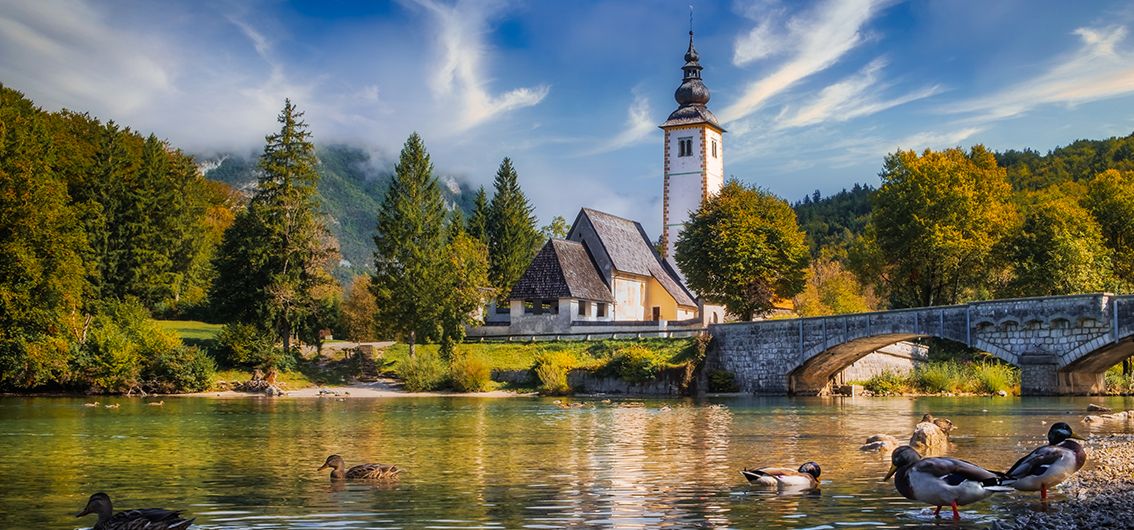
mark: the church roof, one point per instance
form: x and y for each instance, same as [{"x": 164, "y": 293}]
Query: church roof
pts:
[
  {"x": 690, "y": 115},
  {"x": 561, "y": 269},
  {"x": 692, "y": 95},
  {"x": 631, "y": 251}
]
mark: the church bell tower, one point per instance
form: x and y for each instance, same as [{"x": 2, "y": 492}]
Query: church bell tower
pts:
[{"x": 694, "y": 153}]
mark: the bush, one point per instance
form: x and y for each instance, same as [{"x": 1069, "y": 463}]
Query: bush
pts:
[
  {"x": 990, "y": 378},
  {"x": 470, "y": 373},
  {"x": 109, "y": 359},
  {"x": 179, "y": 369},
  {"x": 248, "y": 346},
  {"x": 722, "y": 381},
  {"x": 634, "y": 364},
  {"x": 423, "y": 372},
  {"x": 552, "y": 368},
  {"x": 940, "y": 377},
  {"x": 887, "y": 383}
]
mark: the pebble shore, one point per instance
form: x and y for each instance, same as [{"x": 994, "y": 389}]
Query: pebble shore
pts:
[{"x": 1101, "y": 495}]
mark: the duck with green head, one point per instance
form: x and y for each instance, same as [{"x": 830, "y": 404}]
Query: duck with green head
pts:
[
  {"x": 783, "y": 477},
  {"x": 141, "y": 519},
  {"x": 1051, "y": 464},
  {"x": 941, "y": 481}
]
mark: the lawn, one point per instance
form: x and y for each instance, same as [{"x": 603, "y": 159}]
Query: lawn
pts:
[
  {"x": 587, "y": 354},
  {"x": 191, "y": 330}
]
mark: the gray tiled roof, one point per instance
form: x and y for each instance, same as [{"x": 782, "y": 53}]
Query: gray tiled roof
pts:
[
  {"x": 561, "y": 269},
  {"x": 631, "y": 251},
  {"x": 691, "y": 114}
]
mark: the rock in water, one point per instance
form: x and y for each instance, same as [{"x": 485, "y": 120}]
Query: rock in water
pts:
[
  {"x": 1091, "y": 407},
  {"x": 928, "y": 439},
  {"x": 880, "y": 442}
]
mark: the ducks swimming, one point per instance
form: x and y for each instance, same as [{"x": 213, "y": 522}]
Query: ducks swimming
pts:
[
  {"x": 143, "y": 519},
  {"x": 782, "y": 477},
  {"x": 361, "y": 471},
  {"x": 941, "y": 481},
  {"x": 1051, "y": 464}
]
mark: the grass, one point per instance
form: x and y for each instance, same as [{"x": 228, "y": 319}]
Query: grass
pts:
[
  {"x": 191, "y": 330},
  {"x": 955, "y": 377}
]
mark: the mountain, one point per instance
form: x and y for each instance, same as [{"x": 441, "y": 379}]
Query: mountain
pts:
[{"x": 351, "y": 187}]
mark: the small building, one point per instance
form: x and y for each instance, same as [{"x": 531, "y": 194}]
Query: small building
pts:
[{"x": 606, "y": 273}]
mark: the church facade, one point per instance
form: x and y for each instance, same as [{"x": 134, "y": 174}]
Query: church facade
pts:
[{"x": 607, "y": 275}]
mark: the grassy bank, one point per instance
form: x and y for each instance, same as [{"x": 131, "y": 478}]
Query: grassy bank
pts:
[
  {"x": 473, "y": 363},
  {"x": 948, "y": 377}
]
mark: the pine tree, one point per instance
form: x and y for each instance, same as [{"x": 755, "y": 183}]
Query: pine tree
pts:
[
  {"x": 274, "y": 259},
  {"x": 478, "y": 223},
  {"x": 410, "y": 244},
  {"x": 513, "y": 239}
]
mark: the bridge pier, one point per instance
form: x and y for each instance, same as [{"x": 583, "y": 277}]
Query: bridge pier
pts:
[
  {"x": 1039, "y": 374},
  {"x": 1081, "y": 383}
]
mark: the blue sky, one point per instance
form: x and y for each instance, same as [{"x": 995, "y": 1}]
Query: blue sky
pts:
[{"x": 813, "y": 94}]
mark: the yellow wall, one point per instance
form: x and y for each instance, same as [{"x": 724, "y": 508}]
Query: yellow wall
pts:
[{"x": 656, "y": 295}]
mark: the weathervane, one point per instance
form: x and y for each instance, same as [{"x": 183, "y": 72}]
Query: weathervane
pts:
[{"x": 690, "y": 19}]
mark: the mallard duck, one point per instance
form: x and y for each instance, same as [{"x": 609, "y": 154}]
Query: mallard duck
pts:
[
  {"x": 143, "y": 519},
  {"x": 91, "y": 404},
  {"x": 112, "y": 406},
  {"x": 1049, "y": 465},
  {"x": 941, "y": 481},
  {"x": 363, "y": 471},
  {"x": 944, "y": 424},
  {"x": 806, "y": 477},
  {"x": 156, "y": 403}
]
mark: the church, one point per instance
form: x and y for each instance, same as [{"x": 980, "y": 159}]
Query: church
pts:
[{"x": 607, "y": 275}]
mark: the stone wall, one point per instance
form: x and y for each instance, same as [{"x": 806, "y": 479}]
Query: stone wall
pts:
[{"x": 900, "y": 358}]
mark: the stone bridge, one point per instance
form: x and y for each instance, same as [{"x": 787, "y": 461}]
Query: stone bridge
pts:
[{"x": 1062, "y": 344}]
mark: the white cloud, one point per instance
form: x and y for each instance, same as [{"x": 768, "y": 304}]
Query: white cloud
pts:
[
  {"x": 850, "y": 98},
  {"x": 763, "y": 41},
  {"x": 1097, "y": 70},
  {"x": 460, "y": 77},
  {"x": 936, "y": 140},
  {"x": 822, "y": 37},
  {"x": 639, "y": 128},
  {"x": 67, "y": 52}
]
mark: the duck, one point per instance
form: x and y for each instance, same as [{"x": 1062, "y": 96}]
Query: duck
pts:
[
  {"x": 806, "y": 477},
  {"x": 941, "y": 481},
  {"x": 944, "y": 424},
  {"x": 1050, "y": 464},
  {"x": 141, "y": 519},
  {"x": 156, "y": 403},
  {"x": 363, "y": 471},
  {"x": 91, "y": 404},
  {"x": 112, "y": 406}
]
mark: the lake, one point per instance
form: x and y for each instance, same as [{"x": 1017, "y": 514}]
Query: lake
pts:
[{"x": 498, "y": 463}]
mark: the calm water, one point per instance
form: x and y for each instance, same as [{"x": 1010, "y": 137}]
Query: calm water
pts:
[{"x": 494, "y": 463}]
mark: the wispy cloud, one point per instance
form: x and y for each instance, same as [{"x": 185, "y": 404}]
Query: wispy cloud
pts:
[
  {"x": 1097, "y": 70},
  {"x": 850, "y": 98},
  {"x": 461, "y": 76},
  {"x": 640, "y": 126},
  {"x": 821, "y": 36}
]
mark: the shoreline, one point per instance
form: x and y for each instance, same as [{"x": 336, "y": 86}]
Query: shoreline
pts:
[
  {"x": 378, "y": 389},
  {"x": 1099, "y": 496}
]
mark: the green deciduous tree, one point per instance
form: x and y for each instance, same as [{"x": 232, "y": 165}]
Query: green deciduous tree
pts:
[
  {"x": 275, "y": 259},
  {"x": 359, "y": 309},
  {"x": 743, "y": 248},
  {"x": 556, "y": 229},
  {"x": 464, "y": 290},
  {"x": 935, "y": 222},
  {"x": 41, "y": 273},
  {"x": 1110, "y": 199},
  {"x": 513, "y": 239},
  {"x": 1057, "y": 249},
  {"x": 410, "y": 244}
]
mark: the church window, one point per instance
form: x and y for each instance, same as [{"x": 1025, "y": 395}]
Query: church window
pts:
[
  {"x": 714, "y": 148},
  {"x": 685, "y": 146},
  {"x": 583, "y": 307},
  {"x": 600, "y": 310}
]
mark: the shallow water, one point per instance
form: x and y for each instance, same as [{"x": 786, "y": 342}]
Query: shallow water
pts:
[{"x": 497, "y": 463}]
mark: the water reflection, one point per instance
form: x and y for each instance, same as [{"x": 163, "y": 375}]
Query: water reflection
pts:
[{"x": 488, "y": 463}]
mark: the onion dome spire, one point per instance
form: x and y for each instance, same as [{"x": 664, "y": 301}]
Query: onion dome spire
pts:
[{"x": 692, "y": 95}]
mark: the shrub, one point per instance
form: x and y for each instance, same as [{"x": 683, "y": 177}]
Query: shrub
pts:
[
  {"x": 469, "y": 373},
  {"x": 940, "y": 377},
  {"x": 886, "y": 383},
  {"x": 1116, "y": 382},
  {"x": 178, "y": 369},
  {"x": 552, "y": 368},
  {"x": 423, "y": 372},
  {"x": 109, "y": 359},
  {"x": 249, "y": 346},
  {"x": 634, "y": 364},
  {"x": 722, "y": 381},
  {"x": 990, "y": 378}
]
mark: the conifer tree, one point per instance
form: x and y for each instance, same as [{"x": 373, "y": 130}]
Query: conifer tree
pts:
[
  {"x": 275, "y": 258},
  {"x": 513, "y": 238},
  {"x": 478, "y": 222},
  {"x": 410, "y": 244}
]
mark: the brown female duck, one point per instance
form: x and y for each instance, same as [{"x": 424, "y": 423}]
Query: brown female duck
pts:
[
  {"x": 361, "y": 471},
  {"x": 142, "y": 519}
]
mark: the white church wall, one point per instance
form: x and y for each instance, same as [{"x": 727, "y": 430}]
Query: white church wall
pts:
[{"x": 629, "y": 296}]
